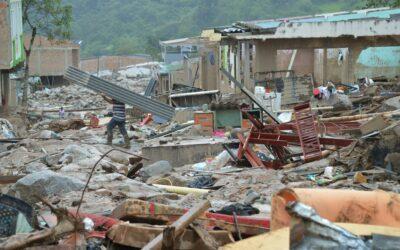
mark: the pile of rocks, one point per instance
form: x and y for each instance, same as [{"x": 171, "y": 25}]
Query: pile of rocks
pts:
[{"x": 69, "y": 96}]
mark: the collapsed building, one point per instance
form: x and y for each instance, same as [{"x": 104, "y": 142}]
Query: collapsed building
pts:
[
  {"x": 213, "y": 163},
  {"x": 338, "y": 47}
]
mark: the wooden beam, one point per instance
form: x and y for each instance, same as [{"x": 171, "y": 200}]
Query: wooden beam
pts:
[
  {"x": 205, "y": 236},
  {"x": 9, "y": 179},
  {"x": 168, "y": 241},
  {"x": 133, "y": 209},
  {"x": 137, "y": 235},
  {"x": 181, "y": 224}
]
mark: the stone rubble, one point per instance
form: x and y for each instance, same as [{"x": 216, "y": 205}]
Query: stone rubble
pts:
[{"x": 56, "y": 161}]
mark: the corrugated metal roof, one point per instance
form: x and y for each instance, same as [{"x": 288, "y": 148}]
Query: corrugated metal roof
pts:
[
  {"x": 183, "y": 41},
  {"x": 384, "y": 13},
  {"x": 120, "y": 94},
  {"x": 150, "y": 87}
]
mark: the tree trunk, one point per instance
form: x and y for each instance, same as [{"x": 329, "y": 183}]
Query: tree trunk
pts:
[{"x": 25, "y": 81}]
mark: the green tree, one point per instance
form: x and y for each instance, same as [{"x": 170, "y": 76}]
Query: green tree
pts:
[
  {"x": 48, "y": 17},
  {"x": 382, "y": 3},
  {"x": 99, "y": 24}
]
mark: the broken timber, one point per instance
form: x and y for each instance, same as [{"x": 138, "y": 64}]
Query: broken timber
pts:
[
  {"x": 137, "y": 235},
  {"x": 119, "y": 93},
  {"x": 148, "y": 211},
  {"x": 250, "y": 95},
  {"x": 181, "y": 224}
]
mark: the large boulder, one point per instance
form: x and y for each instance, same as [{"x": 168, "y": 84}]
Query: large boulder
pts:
[
  {"x": 391, "y": 104},
  {"x": 78, "y": 154},
  {"x": 34, "y": 167},
  {"x": 43, "y": 184},
  {"x": 155, "y": 169}
]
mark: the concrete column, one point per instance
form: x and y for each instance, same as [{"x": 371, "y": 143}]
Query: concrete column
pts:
[
  {"x": 238, "y": 65},
  {"x": 354, "y": 53},
  {"x": 318, "y": 67},
  {"x": 246, "y": 67},
  {"x": 324, "y": 65},
  {"x": 2, "y": 74},
  {"x": 265, "y": 57},
  {"x": 12, "y": 94}
]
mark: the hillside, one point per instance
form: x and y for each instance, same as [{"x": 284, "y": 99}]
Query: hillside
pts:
[{"x": 136, "y": 26}]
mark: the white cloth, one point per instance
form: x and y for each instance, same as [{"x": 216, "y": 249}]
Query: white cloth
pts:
[{"x": 325, "y": 92}]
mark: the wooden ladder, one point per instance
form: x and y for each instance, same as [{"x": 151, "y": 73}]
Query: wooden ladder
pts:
[{"x": 307, "y": 132}]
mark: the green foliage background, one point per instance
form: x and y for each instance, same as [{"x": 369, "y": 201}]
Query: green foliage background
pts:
[{"x": 136, "y": 26}]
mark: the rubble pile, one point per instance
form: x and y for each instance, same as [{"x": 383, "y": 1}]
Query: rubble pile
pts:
[
  {"x": 232, "y": 183},
  {"x": 134, "y": 78},
  {"x": 70, "y": 96}
]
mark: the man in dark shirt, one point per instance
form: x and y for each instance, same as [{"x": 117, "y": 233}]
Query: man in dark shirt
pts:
[{"x": 118, "y": 119}]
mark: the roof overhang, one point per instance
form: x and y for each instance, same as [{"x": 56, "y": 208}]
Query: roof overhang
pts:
[{"x": 356, "y": 28}]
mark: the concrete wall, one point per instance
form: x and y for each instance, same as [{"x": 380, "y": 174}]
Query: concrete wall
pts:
[
  {"x": 379, "y": 61},
  {"x": 303, "y": 63},
  {"x": 8, "y": 91},
  {"x": 188, "y": 152},
  {"x": 112, "y": 63},
  {"x": 52, "y": 58},
  {"x": 209, "y": 66},
  {"x": 52, "y": 61},
  {"x": 372, "y": 62},
  {"x": 369, "y": 62}
]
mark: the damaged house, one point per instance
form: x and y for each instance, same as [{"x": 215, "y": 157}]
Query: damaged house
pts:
[
  {"x": 50, "y": 59},
  {"x": 189, "y": 75},
  {"x": 11, "y": 48},
  {"x": 291, "y": 55}
]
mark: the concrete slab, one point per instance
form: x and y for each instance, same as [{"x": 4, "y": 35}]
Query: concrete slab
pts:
[
  {"x": 375, "y": 124},
  {"x": 180, "y": 153}
]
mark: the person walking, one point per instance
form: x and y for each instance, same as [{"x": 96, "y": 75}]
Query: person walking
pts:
[{"x": 118, "y": 119}]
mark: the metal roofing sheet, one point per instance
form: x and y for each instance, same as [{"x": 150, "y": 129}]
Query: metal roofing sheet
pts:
[
  {"x": 119, "y": 93},
  {"x": 334, "y": 17},
  {"x": 150, "y": 87}
]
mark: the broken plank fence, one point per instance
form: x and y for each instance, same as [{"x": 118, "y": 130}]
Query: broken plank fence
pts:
[{"x": 119, "y": 93}]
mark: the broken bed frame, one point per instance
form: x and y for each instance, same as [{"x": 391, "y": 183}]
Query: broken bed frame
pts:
[
  {"x": 303, "y": 132},
  {"x": 276, "y": 136}
]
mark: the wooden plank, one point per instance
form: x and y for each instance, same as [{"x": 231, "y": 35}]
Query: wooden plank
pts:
[
  {"x": 8, "y": 179},
  {"x": 168, "y": 241},
  {"x": 366, "y": 230},
  {"x": 279, "y": 239},
  {"x": 149, "y": 211},
  {"x": 207, "y": 238},
  {"x": 181, "y": 224},
  {"x": 138, "y": 235}
]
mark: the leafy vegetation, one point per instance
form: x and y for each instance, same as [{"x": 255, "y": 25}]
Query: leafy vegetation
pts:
[
  {"x": 136, "y": 26},
  {"x": 48, "y": 17},
  {"x": 383, "y": 3}
]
